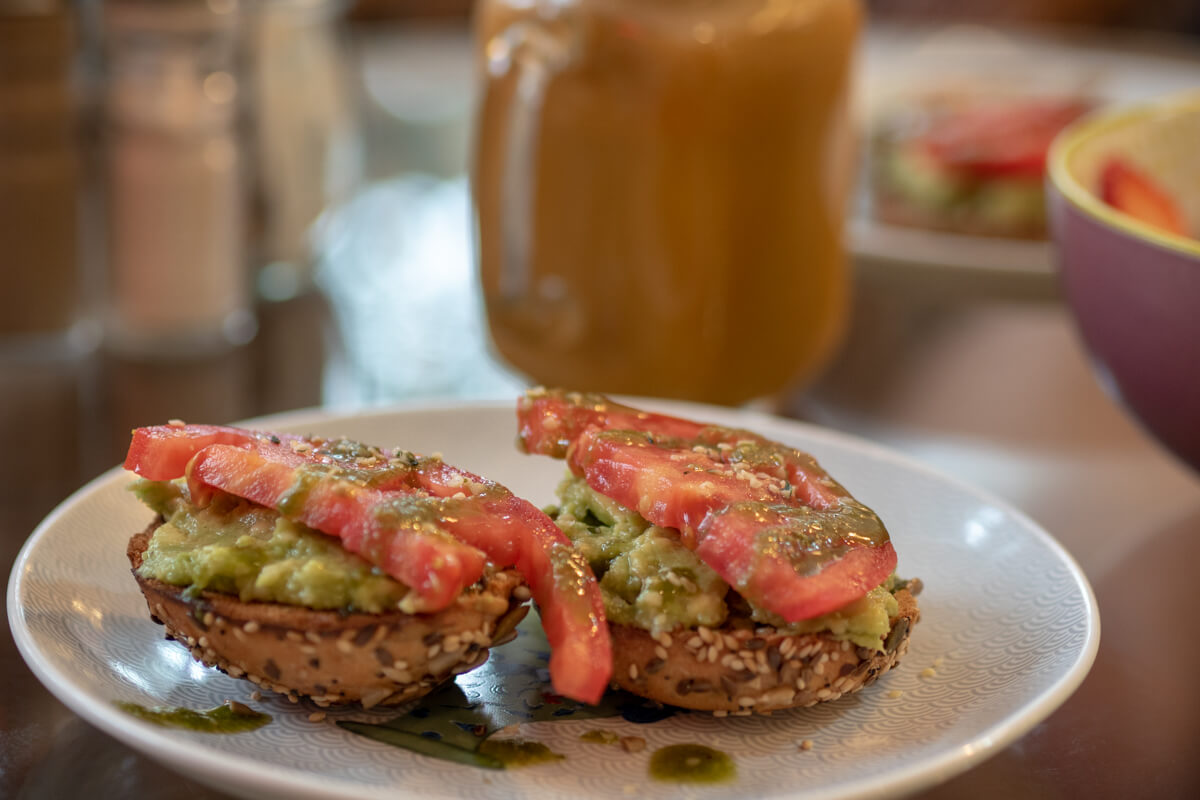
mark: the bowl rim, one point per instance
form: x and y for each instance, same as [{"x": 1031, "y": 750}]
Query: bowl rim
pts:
[{"x": 1080, "y": 131}]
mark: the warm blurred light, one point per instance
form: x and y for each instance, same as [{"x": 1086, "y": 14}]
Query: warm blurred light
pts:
[
  {"x": 220, "y": 87},
  {"x": 222, "y": 6}
]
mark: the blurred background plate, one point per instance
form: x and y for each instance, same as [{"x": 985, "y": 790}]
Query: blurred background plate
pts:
[{"x": 900, "y": 62}]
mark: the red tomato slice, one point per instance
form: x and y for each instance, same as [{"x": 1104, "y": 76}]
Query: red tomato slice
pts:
[
  {"x": 162, "y": 452},
  {"x": 1000, "y": 139},
  {"x": 766, "y": 517},
  {"x": 1127, "y": 189},
  {"x": 422, "y": 520},
  {"x": 549, "y": 421},
  {"x": 422, "y": 556}
]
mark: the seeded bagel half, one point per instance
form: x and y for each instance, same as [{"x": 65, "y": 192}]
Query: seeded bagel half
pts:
[
  {"x": 333, "y": 658},
  {"x": 743, "y": 668}
]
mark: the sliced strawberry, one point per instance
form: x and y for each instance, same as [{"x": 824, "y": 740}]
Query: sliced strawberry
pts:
[{"x": 1135, "y": 193}]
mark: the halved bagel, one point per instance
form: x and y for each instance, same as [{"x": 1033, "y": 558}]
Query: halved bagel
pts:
[
  {"x": 743, "y": 668},
  {"x": 330, "y": 657}
]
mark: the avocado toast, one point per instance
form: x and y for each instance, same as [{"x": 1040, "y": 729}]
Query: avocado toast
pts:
[
  {"x": 737, "y": 576},
  {"x": 343, "y": 572}
]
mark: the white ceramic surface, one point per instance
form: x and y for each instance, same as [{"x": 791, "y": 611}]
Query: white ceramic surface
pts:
[{"x": 1007, "y": 611}]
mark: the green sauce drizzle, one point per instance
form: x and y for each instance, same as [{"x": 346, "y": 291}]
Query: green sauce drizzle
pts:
[
  {"x": 518, "y": 752},
  {"x": 456, "y": 722},
  {"x": 230, "y": 717},
  {"x": 598, "y": 736},
  {"x": 691, "y": 763}
]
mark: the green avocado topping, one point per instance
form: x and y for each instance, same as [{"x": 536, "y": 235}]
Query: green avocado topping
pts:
[
  {"x": 650, "y": 580},
  {"x": 239, "y": 548}
]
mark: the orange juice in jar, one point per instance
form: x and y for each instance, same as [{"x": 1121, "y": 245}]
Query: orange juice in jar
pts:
[{"x": 660, "y": 187}]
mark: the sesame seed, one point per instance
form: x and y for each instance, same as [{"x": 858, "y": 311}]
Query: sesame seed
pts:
[
  {"x": 633, "y": 672},
  {"x": 712, "y": 654},
  {"x": 937, "y": 662},
  {"x": 344, "y": 646},
  {"x": 806, "y": 745},
  {"x": 661, "y": 652},
  {"x": 706, "y": 634},
  {"x": 894, "y": 693},
  {"x": 313, "y": 637},
  {"x": 316, "y": 716},
  {"x": 694, "y": 643},
  {"x": 928, "y": 672}
]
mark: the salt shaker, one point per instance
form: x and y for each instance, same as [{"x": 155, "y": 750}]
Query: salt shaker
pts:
[{"x": 175, "y": 192}]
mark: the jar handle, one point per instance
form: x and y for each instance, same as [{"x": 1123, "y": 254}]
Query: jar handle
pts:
[{"x": 536, "y": 54}]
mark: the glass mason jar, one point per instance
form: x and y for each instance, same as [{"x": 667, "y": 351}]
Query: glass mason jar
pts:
[{"x": 659, "y": 187}]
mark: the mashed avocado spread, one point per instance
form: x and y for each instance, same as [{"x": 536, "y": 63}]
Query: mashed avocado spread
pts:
[
  {"x": 650, "y": 580},
  {"x": 243, "y": 549}
]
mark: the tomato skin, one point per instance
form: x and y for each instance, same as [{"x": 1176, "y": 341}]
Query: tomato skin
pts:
[
  {"x": 435, "y": 567},
  {"x": 767, "y": 518},
  {"x": 999, "y": 139},
  {"x": 382, "y": 512},
  {"x": 733, "y": 540},
  {"x": 548, "y": 421},
  {"x": 162, "y": 452}
]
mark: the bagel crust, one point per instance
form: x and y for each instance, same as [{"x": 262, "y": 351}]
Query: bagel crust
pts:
[
  {"x": 334, "y": 658},
  {"x": 742, "y": 668}
]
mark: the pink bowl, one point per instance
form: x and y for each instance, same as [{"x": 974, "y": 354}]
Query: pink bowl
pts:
[{"x": 1135, "y": 290}]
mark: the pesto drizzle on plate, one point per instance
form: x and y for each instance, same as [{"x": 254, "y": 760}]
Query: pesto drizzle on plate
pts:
[{"x": 229, "y": 717}]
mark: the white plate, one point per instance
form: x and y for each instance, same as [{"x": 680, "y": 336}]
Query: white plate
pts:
[{"x": 1005, "y": 608}]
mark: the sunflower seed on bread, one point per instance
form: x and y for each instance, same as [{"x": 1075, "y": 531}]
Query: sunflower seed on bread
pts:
[{"x": 746, "y": 669}]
